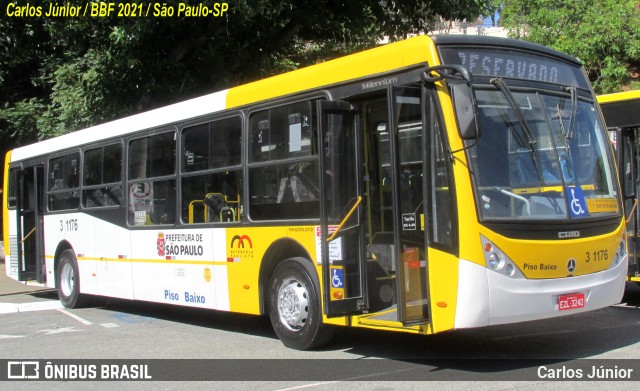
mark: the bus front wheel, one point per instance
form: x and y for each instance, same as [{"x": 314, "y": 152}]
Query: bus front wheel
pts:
[
  {"x": 68, "y": 281},
  {"x": 294, "y": 306}
]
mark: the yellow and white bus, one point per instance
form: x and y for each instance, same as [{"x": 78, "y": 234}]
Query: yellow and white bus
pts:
[
  {"x": 622, "y": 115},
  {"x": 427, "y": 185}
]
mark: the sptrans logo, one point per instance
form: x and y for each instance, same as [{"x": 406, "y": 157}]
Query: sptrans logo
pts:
[{"x": 241, "y": 247}]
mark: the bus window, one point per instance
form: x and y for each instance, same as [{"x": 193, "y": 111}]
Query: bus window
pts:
[
  {"x": 64, "y": 182},
  {"x": 152, "y": 195},
  {"x": 12, "y": 200},
  {"x": 283, "y": 132},
  {"x": 275, "y": 188},
  {"x": 523, "y": 169},
  {"x": 212, "y": 197},
  {"x": 102, "y": 176},
  {"x": 212, "y": 145},
  {"x": 212, "y": 150},
  {"x": 280, "y": 133}
]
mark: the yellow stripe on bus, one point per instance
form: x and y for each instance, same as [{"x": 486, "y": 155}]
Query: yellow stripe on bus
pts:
[
  {"x": 140, "y": 260},
  {"x": 5, "y": 207},
  {"x": 618, "y": 96},
  {"x": 371, "y": 62}
]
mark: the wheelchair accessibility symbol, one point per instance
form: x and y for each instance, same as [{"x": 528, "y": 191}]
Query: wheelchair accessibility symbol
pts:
[
  {"x": 577, "y": 205},
  {"x": 337, "y": 280}
]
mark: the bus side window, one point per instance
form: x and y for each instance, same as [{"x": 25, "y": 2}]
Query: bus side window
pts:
[
  {"x": 212, "y": 198},
  {"x": 212, "y": 179},
  {"x": 281, "y": 187},
  {"x": 152, "y": 184},
  {"x": 63, "y": 182},
  {"x": 102, "y": 176}
]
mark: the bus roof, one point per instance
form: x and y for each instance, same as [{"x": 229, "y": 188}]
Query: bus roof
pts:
[
  {"x": 621, "y": 110},
  {"x": 497, "y": 42},
  {"x": 377, "y": 61},
  {"x": 373, "y": 62},
  {"x": 618, "y": 97}
]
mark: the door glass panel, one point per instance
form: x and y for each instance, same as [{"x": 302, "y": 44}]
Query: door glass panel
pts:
[
  {"x": 413, "y": 264},
  {"x": 381, "y": 248},
  {"x": 342, "y": 268},
  {"x": 629, "y": 180}
]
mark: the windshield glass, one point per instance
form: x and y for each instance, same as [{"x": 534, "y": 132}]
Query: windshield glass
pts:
[{"x": 540, "y": 156}]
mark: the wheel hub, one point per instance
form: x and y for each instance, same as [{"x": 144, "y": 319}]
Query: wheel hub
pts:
[
  {"x": 293, "y": 304},
  {"x": 67, "y": 279}
]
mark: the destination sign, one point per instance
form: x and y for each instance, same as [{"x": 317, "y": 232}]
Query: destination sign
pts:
[{"x": 516, "y": 65}]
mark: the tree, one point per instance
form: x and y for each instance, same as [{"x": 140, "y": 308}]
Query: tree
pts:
[
  {"x": 61, "y": 74},
  {"x": 90, "y": 70},
  {"x": 603, "y": 34}
]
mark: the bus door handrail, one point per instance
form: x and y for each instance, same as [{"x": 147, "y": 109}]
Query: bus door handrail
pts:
[
  {"x": 344, "y": 221},
  {"x": 27, "y": 235},
  {"x": 633, "y": 209}
]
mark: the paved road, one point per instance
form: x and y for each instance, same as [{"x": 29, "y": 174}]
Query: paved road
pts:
[{"x": 34, "y": 326}]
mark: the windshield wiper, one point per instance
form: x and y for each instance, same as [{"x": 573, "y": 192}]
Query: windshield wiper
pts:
[
  {"x": 531, "y": 141},
  {"x": 574, "y": 109},
  {"x": 566, "y": 167}
]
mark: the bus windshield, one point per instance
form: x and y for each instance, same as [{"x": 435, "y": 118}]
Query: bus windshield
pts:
[{"x": 540, "y": 156}]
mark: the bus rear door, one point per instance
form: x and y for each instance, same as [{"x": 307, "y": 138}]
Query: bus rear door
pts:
[{"x": 30, "y": 248}]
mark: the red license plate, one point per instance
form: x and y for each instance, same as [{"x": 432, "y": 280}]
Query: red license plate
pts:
[{"x": 571, "y": 302}]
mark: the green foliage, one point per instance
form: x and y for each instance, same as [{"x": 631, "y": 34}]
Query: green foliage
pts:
[
  {"x": 603, "y": 34},
  {"x": 61, "y": 74},
  {"x": 18, "y": 121}
]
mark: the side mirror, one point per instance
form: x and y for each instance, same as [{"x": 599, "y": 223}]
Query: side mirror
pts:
[{"x": 464, "y": 104}]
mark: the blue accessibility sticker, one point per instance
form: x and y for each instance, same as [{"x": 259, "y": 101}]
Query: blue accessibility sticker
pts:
[
  {"x": 577, "y": 204},
  {"x": 337, "y": 278}
]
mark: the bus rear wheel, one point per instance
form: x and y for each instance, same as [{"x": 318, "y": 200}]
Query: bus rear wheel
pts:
[
  {"x": 294, "y": 306},
  {"x": 68, "y": 281}
]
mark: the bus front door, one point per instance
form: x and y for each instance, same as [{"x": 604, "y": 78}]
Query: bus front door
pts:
[
  {"x": 343, "y": 271},
  {"x": 30, "y": 247},
  {"x": 629, "y": 167},
  {"x": 395, "y": 164}
]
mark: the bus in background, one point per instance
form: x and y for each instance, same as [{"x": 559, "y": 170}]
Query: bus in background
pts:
[
  {"x": 432, "y": 184},
  {"x": 621, "y": 113}
]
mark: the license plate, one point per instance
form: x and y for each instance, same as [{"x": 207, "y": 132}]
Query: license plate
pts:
[{"x": 571, "y": 302}]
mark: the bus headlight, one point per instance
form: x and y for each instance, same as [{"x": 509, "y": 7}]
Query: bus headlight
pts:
[
  {"x": 621, "y": 251},
  {"x": 498, "y": 261}
]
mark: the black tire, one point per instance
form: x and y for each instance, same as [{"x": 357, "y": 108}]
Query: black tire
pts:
[
  {"x": 294, "y": 306},
  {"x": 68, "y": 281}
]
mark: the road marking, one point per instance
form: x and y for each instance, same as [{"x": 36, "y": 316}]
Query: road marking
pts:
[
  {"x": 353, "y": 378},
  {"x": 58, "y": 331},
  {"x": 11, "y": 336},
  {"x": 625, "y": 305},
  {"x": 109, "y": 325},
  {"x": 76, "y": 317},
  {"x": 9, "y": 308}
]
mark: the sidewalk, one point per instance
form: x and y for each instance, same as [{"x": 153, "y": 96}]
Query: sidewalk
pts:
[{"x": 12, "y": 291}]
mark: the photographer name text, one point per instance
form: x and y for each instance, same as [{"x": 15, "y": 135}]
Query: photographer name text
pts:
[{"x": 120, "y": 10}]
